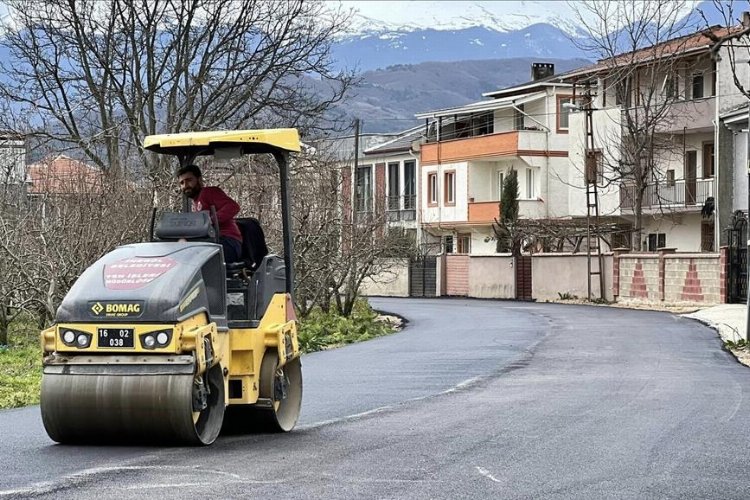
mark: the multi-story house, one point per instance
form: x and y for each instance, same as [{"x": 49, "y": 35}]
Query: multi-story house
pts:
[
  {"x": 394, "y": 166},
  {"x": 384, "y": 181},
  {"x": 12, "y": 164},
  {"x": 677, "y": 81},
  {"x": 469, "y": 150}
]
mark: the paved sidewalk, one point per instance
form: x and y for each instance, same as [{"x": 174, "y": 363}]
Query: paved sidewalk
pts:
[{"x": 729, "y": 319}]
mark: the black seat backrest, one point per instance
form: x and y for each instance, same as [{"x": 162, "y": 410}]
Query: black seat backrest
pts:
[
  {"x": 253, "y": 241},
  {"x": 194, "y": 226}
]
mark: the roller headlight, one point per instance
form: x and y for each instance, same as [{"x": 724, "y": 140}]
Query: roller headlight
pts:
[
  {"x": 156, "y": 339},
  {"x": 75, "y": 338},
  {"x": 162, "y": 338}
]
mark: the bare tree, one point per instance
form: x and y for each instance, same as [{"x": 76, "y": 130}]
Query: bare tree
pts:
[
  {"x": 99, "y": 76},
  {"x": 641, "y": 47}
]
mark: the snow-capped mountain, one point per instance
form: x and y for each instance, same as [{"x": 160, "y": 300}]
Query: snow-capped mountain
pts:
[
  {"x": 380, "y": 49},
  {"x": 416, "y": 32}
]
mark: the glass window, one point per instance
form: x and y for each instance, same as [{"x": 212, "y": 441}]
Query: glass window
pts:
[
  {"x": 697, "y": 85},
  {"x": 432, "y": 189},
  {"x": 530, "y": 191},
  {"x": 363, "y": 191},
  {"x": 500, "y": 182},
  {"x": 448, "y": 243},
  {"x": 450, "y": 188},
  {"x": 464, "y": 242},
  {"x": 656, "y": 241},
  {"x": 563, "y": 113},
  {"x": 393, "y": 186},
  {"x": 410, "y": 185},
  {"x": 518, "y": 117}
]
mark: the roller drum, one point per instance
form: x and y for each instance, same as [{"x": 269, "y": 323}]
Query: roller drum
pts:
[{"x": 122, "y": 405}]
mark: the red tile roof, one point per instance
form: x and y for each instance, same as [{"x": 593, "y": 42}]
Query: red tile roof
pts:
[
  {"x": 670, "y": 48},
  {"x": 63, "y": 175}
]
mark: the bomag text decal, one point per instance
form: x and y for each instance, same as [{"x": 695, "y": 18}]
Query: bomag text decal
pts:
[
  {"x": 123, "y": 309},
  {"x": 190, "y": 298}
]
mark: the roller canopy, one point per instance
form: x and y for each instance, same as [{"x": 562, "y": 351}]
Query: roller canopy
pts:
[{"x": 206, "y": 143}]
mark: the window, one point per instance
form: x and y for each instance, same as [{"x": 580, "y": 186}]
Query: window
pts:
[
  {"x": 450, "y": 188},
  {"x": 448, "y": 243},
  {"x": 500, "y": 182},
  {"x": 708, "y": 160},
  {"x": 410, "y": 185},
  {"x": 697, "y": 84},
  {"x": 464, "y": 242},
  {"x": 518, "y": 116},
  {"x": 670, "y": 87},
  {"x": 670, "y": 177},
  {"x": 432, "y": 189},
  {"x": 656, "y": 241},
  {"x": 363, "y": 192},
  {"x": 530, "y": 191},
  {"x": 623, "y": 90},
  {"x": 393, "y": 186},
  {"x": 482, "y": 124},
  {"x": 563, "y": 113}
]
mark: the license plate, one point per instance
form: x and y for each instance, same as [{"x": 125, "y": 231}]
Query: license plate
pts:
[{"x": 116, "y": 337}]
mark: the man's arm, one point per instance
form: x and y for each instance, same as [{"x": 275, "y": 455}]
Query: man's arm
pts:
[{"x": 226, "y": 207}]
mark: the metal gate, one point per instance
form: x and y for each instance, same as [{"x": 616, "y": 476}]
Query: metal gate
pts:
[
  {"x": 423, "y": 276},
  {"x": 523, "y": 277},
  {"x": 737, "y": 282}
]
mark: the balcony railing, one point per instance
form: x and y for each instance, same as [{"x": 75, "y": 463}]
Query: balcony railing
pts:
[
  {"x": 395, "y": 210},
  {"x": 680, "y": 193}
]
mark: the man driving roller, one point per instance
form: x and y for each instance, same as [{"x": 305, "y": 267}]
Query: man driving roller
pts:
[{"x": 204, "y": 197}]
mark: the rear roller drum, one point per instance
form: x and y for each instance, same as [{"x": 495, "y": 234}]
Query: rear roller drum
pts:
[{"x": 281, "y": 385}]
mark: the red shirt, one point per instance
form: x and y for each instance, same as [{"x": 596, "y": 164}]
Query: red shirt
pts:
[{"x": 226, "y": 209}]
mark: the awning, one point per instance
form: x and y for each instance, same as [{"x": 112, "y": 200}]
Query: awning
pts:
[{"x": 482, "y": 106}]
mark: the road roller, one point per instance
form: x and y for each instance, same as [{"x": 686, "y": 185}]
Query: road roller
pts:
[{"x": 165, "y": 342}]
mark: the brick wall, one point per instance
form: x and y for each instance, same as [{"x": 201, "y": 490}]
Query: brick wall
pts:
[
  {"x": 671, "y": 277},
  {"x": 457, "y": 275},
  {"x": 638, "y": 277},
  {"x": 692, "y": 278}
]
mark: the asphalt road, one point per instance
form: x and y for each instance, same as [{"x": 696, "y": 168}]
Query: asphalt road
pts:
[{"x": 473, "y": 399}]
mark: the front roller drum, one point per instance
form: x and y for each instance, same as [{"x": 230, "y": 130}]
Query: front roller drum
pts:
[{"x": 123, "y": 406}]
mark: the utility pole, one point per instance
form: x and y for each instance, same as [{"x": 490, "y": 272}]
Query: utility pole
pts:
[
  {"x": 591, "y": 173},
  {"x": 354, "y": 172}
]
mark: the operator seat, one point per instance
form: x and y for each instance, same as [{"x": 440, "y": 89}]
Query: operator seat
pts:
[{"x": 254, "y": 246}]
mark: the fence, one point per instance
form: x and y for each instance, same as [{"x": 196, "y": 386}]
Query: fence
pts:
[{"x": 663, "y": 277}]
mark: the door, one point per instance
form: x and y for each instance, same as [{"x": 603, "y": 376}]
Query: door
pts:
[
  {"x": 523, "y": 277},
  {"x": 691, "y": 163},
  {"x": 737, "y": 265},
  {"x": 423, "y": 276}
]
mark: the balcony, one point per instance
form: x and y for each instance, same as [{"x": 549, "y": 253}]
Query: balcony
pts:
[
  {"x": 502, "y": 144},
  {"x": 484, "y": 211},
  {"x": 678, "y": 194},
  {"x": 689, "y": 116},
  {"x": 402, "y": 208}
]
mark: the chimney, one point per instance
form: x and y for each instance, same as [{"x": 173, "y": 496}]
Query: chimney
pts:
[{"x": 540, "y": 71}]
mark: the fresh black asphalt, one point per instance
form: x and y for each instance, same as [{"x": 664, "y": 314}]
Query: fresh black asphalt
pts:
[{"x": 474, "y": 399}]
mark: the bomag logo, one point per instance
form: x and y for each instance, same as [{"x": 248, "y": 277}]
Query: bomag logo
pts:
[{"x": 117, "y": 309}]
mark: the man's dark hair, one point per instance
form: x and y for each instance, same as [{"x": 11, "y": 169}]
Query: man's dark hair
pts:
[{"x": 190, "y": 169}]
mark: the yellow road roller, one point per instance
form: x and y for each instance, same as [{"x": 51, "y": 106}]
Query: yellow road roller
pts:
[{"x": 164, "y": 341}]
